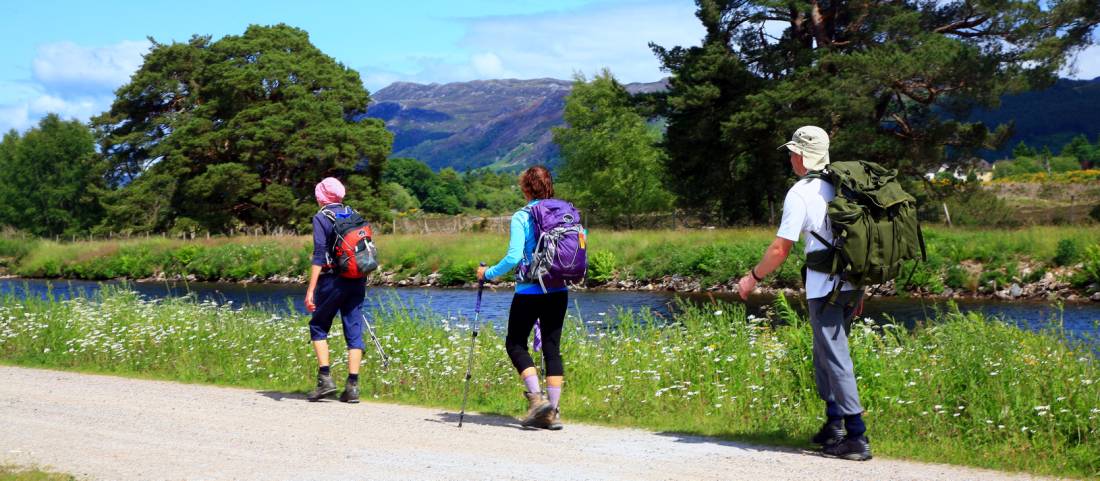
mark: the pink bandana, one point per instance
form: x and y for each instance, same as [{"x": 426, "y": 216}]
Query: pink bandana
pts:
[{"x": 329, "y": 191}]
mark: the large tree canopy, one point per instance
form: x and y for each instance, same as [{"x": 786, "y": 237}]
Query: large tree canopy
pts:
[
  {"x": 885, "y": 78},
  {"x": 612, "y": 161},
  {"x": 50, "y": 178},
  {"x": 235, "y": 132}
]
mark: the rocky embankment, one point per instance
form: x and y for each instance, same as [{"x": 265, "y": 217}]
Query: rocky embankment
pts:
[{"x": 1052, "y": 286}]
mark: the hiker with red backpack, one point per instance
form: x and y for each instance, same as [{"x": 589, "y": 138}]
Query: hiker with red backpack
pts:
[
  {"x": 343, "y": 255},
  {"x": 547, "y": 246}
]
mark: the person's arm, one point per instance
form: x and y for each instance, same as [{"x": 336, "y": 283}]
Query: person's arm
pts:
[
  {"x": 314, "y": 273},
  {"x": 774, "y": 256},
  {"x": 320, "y": 242},
  {"x": 790, "y": 228},
  {"x": 516, "y": 242}
]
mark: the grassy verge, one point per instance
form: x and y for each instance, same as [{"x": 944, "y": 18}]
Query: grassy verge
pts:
[
  {"x": 968, "y": 390},
  {"x": 959, "y": 259},
  {"x": 14, "y": 473}
]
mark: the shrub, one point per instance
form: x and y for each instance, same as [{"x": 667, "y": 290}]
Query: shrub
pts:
[
  {"x": 1068, "y": 252},
  {"x": 602, "y": 266},
  {"x": 1090, "y": 269},
  {"x": 457, "y": 273}
]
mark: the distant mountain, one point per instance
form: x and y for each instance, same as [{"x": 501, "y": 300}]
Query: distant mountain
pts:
[
  {"x": 506, "y": 124},
  {"x": 1047, "y": 118},
  {"x": 502, "y": 124}
]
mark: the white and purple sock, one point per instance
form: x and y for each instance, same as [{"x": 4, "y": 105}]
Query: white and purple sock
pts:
[
  {"x": 554, "y": 393},
  {"x": 532, "y": 384}
]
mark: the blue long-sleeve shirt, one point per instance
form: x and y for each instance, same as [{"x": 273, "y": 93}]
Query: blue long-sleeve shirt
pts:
[
  {"x": 521, "y": 246},
  {"x": 324, "y": 238}
]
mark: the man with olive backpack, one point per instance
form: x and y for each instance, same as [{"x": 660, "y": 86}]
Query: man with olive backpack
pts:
[{"x": 860, "y": 229}]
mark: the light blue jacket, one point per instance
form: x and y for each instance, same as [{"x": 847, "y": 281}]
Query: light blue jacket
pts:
[{"x": 521, "y": 245}]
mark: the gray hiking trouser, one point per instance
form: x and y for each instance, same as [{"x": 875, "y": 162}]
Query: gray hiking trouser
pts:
[{"x": 833, "y": 372}]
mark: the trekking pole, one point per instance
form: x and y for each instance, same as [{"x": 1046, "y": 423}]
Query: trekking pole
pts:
[
  {"x": 470, "y": 358},
  {"x": 377, "y": 345}
]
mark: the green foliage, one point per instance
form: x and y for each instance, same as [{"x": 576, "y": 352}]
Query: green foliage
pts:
[
  {"x": 1023, "y": 150},
  {"x": 735, "y": 177},
  {"x": 917, "y": 276},
  {"x": 140, "y": 259},
  {"x": 1017, "y": 166},
  {"x": 887, "y": 80},
  {"x": 1090, "y": 271},
  {"x": 602, "y": 266},
  {"x": 458, "y": 273},
  {"x": 1069, "y": 251},
  {"x": 449, "y": 192},
  {"x": 234, "y": 131},
  {"x": 968, "y": 203},
  {"x": 51, "y": 175},
  {"x": 989, "y": 393},
  {"x": 611, "y": 159},
  {"x": 13, "y": 473},
  {"x": 1081, "y": 150}
]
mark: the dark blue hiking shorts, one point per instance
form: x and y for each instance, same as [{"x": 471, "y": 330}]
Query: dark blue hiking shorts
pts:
[{"x": 335, "y": 294}]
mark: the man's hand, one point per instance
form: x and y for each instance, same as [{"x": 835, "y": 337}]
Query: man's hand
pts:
[
  {"x": 858, "y": 311},
  {"x": 310, "y": 306},
  {"x": 745, "y": 286},
  {"x": 481, "y": 273}
]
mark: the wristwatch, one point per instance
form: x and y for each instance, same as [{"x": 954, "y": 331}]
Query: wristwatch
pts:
[{"x": 752, "y": 272}]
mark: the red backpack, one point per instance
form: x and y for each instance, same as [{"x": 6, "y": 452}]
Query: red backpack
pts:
[{"x": 353, "y": 254}]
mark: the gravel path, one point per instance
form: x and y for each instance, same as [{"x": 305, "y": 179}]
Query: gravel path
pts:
[{"x": 111, "y": 428}]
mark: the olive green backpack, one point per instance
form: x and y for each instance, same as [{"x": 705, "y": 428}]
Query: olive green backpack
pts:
[{"x": 874, "y": 224}]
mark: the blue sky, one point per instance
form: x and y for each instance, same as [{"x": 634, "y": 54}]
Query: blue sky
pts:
[{"x": 69, "y": 56}]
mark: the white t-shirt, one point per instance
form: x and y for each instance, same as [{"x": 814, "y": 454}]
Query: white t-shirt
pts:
[{"x": 804, "y": 211}]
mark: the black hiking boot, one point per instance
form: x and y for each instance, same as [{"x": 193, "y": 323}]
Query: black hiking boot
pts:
[
  {"x": 351, "y": 393},
  {"x": 537, "y": 409},
  {"x": 852, "y": 449},
  {"x": 831, "y": 432},
  {"x": 325, "y": 387}
]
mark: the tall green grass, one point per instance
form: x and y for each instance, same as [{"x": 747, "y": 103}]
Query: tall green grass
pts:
[
  {"x": 711, "y": 257},
  {"x": 967, "y": 389},
  {"x": 14, "y": 473}
]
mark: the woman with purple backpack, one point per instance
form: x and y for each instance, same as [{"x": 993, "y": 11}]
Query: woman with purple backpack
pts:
[{"x": 541, "y": 288}]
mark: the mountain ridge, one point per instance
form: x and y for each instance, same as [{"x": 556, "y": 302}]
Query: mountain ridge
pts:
[{"x": 506, "y": 124}]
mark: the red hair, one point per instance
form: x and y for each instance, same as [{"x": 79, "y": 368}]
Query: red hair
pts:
[{"x": 537, "y": 183}]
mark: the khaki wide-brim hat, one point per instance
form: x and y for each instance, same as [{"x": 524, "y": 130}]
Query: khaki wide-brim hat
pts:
[{"x": 812, "y": 143}]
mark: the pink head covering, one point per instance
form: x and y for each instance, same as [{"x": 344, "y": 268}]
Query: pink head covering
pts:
[{"x": 329, "y": 191}]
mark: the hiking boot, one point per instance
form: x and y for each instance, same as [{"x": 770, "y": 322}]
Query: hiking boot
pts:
[
  {"x": 351, "y": 393},
  {"x": 537, "y": 409},
  {"x": 325, "y": 387},
  {"x": 852, "y": 449},
  {"x": 551, "y": 421},
  {"x": 831, "y": 432}
]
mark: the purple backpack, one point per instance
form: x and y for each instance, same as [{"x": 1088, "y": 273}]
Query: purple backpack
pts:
[{"x": 561, "y": 246}]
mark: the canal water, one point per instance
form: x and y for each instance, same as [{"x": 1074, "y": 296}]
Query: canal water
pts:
[{"x": 1080, "y": 320}]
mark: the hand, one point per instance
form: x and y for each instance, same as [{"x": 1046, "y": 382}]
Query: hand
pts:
[
  {"x": 745, "y": 286},
  {"x": 481, "y": 273},
  {"x": 310, "y": 306}
]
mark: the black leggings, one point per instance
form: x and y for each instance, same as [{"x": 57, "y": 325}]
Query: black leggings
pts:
[{"x": 549, "y": 309}]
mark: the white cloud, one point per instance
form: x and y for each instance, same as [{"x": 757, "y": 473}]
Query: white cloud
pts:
[
  {"x": 559, "y": 44},
  {"x": 14, "y": 117},
  {"x": 68, "y": 68},
  {"x": 488, "y": 64},
  {"x": 71, "y": 80},
  {"x": 1087, "y": 64}
]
